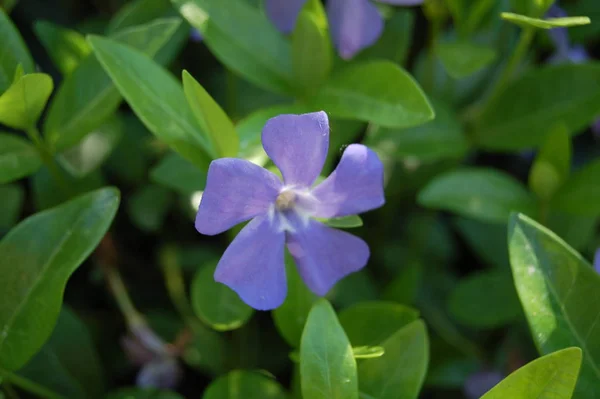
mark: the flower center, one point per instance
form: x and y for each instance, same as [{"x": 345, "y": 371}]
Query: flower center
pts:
[{"x": 285, "y": 200}]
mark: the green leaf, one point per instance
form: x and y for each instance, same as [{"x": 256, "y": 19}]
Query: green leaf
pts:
[
  {"x": 12, "y": 202},
  {"x": 549, "y": 23},
  {"x": 552, "y": 165},
  {"x": 559, "y": 292},
  {"x": 148, "y": 207},
  {"x": 395, "y": 41},
  {"x": 290, "y": 318},
  {"x": 581, "y": 192},
  {"x": 13, "y": 52},
  {"x": 400, "y": 372},
  {"x": 75, "y": 373},
  {"x": 327, "y": 365},
  {"x": 344, "y": 222},
  {"x": 462, "y": 59},
  {"x": 143, "y": 393},
  {"x": 48, "y": 247},
  {"x": 156, "y": 98},
  {"x": 312, "y": 52},
  {"x": 178, "y": 174},
  {"x": 137, "y": 12},
  {"x": 487, "y": 240},
  {"x": 211, "y": 117},
  {"x": 241, "y": 384},
  {"x": 485, "y": 300},
  {"x": 519, "y": 117},
  {"x": 66, "y": 47},
  {"x": 550, "y": 377},
  {"x": 215, "y": 303},
  {"x": 368, "y": 352},
  {"x": 441, "y": 138},
  {"x": 88, "y": 96},
  {"x": 243, "y": 39},
  {"x": 22, "y": 104},
  {"x": 376, "y": 91},
  {"x": 371, "y": 323},
  {"x": 484, "y": 194},
  {"x": 18, "y": 158}
]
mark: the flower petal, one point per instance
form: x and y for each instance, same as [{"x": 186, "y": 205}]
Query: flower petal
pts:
[
  {"x": 283, "y": 13},
  {"x": 355, "y": 186},
  {"x": 354, "y": 25},
  {"x": 253, "y": 265},
  {"x": 324, "y": 255},
  {"x": 597, "y": 261},
  {"x": 298, "y": 145},
  {"x": 236, "y": 190}
]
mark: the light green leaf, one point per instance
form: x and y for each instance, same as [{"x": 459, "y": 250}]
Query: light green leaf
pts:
[
  {"x": 550, "y": 23},
  {"x": 48, "y": 247},
  {"x": 66, "y": 47},
  {"x": 480, "y": 193},
  {"x": 462, "y": 59},
  {"x": 375, "y": 91},
  {"x": 344, "y": 222},
  {"x": 148, "y": 207},
  {"x": 520, "y": 116},
  {"x": 581, "y": 192},
  {"x": 552, "y": 164},
  {"x": 178, "y": 174},
  {"x": 18, "y": 158},
  {"x": 368, "y": 352},
  {"x": 215, "y": 303},
  {"x": 243, "y": 39},
  {"x": 290, "y": 317},
  {"x": 244, "y": 385},
  {"x": 13, "y": 52},
  {"x": 371, "y": 323},
  {"x": 485, "y": 300},
  {"x": 560, "y": 293},
  {"x": 22, "y": 104},
  {"x": 88, "y": 96},
  {"x": 211, "y": 117},
  {"x": 400, "y": 372},
  {"x": 327, "y": 365},
  {"x": 156, "y": 98},
  {"x": 550, "y": 377},
  {"x": 143, "y": 393}
]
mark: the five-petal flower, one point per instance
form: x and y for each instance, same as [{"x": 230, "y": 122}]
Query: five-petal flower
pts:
[{"x": 284, "y": 212}]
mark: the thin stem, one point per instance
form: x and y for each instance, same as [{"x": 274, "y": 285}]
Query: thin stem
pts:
[
  {"x": 48, "y": 159},
  {"x": 124, "y": 302},
  {"x": 175, "y": 283},
  {"x": 29, "y": 386}
]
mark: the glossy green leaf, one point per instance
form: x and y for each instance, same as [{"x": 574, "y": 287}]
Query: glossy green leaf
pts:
[
  {"x": 549, "y": 23},
  {"x": 244, "y": 385},
  {"x": 368, "y": 352},
  {"x": 18, "y": 158},
  {"x": 520, "y": 116},
  {"x": 371, "y": 323},
  {"x": 376, "y": 91},
  {"x": 22, "y": 104},
  {"x": 156, "y": 97},
  {"x": 462, "y": 59},
  {"x": 178, "y": 174},
  {"x": 290, "y": 317},
  {"x": 327, "y": 365},
  {"x": 88, "y": 96},
  {"x": 581, "y": 192},
  {"x": 143, "y": 393},
  {"x": 550, "y": 377},
  {"x": 485, "y": 300},
  {"x": 66, "y": 47},
  {"x": 400, "y": 372},
  {"x": 48, "y": 247},
  {"x": 344, "y": 222},
  {"x": 13, "y": 52},
  {"x": 12, "y": 203},
  {"x": 148, "y": 207},
  {"x": 243, "y": 39},
  {"x": 552, "y": 164},
  {"x": 215, "y": 303},
  {"x": 75, "y": 373},
  {"x": 211, "y": 117},
  {"x": 560, "y": 293},
  {"x": 480, "y": 193}
]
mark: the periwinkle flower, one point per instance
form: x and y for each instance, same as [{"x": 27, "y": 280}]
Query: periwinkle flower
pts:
[
  {"x": 284, "y": 212},
  {"x": 597, "y": 261},
  {"x": 565, "y": 52},
  {"x": 481, "y": 382},
  {"x": 354, "y": 24}
]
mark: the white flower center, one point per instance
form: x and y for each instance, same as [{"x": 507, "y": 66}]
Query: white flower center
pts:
[
  {"x": 291, "y": 203},
  {"x": 285, "y": 200}
]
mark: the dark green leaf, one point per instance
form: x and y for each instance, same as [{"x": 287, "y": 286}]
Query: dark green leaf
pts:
[
  {"x": 395, "y": 41},
  {"x": 48, "y": 247},
  {"x": 143, "y": 393},
  {"x": 487, "y": 240},
  {"x": 18, "y": 158},
  {"x": 462, "y": 59},
  {"x": 178, "y": 174},
  {"x": 12, "y": 203},
  {"x": 66, "y": 47},
  {"x": 552, "y": 164},
  {"x": 581, "y": 192},
  {"x": 148, "y": 207},
  {"x": 13, "y": 52},
  {"x": 22, "y": 104},
  {"x": 244, "y": 385}
]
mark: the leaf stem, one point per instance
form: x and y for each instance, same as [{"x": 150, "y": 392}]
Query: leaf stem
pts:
[
  {"x": 48, "y": 159},
  {"x": 175, "y": 285},
  {"x": 28, "y": 385}
]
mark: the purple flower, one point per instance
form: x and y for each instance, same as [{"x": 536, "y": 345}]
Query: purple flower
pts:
[
  {"x": 283, "y": 212},
  {"x": 597, "y": 261},
  {"x": 560, "y": 37},
  {"x": 481, "y": 382},
  {"x": 354, "y": 24}
]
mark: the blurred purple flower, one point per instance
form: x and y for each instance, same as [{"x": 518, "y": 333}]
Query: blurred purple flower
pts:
[
  {"x": 565, "y": 52},
  {"x": 481, "y": 382},
  {"x": 282, "y": 212},
  {"x": 161, "y": 373},
  {"x": 597, "y": 261},
  {"x": 196, "y": 36},
  {"x": 354, "y": 24}
]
